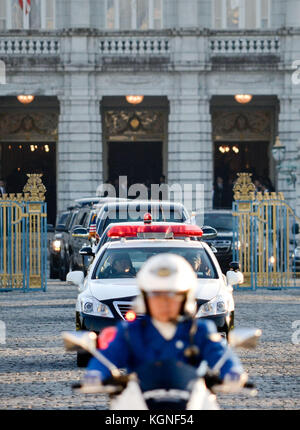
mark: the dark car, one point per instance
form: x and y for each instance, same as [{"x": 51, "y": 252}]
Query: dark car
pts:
[
  {"x": 295, "y": 261},
  {"x": 59, "y": 246},
  {"x": 222, "y": 221},
  {"x": 79, "y": 238},
  {"x": 135, "y": 210}
]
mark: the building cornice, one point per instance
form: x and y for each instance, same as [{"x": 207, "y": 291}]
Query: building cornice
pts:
[{"x": 172, "y": 32}]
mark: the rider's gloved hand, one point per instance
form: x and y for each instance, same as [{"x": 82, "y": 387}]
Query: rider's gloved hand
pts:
[
  {"x": 92, "y": 377},
  {"x": 121, "y": 380},
  {"x": 234, "y": 380}
]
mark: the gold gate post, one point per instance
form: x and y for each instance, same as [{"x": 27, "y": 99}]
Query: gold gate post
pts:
[
  {"x": 34, "y": 195},
  {"x": 244, "y": 195}
]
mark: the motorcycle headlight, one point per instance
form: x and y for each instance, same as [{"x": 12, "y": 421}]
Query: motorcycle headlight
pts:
[
  {"x": 214, "y": 307},
  {"x": 93, "y": 307}
]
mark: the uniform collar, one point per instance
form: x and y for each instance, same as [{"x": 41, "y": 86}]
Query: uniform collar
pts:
[{"x": 181, "y": 329}]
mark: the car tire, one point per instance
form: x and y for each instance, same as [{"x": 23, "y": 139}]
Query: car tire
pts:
[
  {"x": 53, "y": 273},
  {"x": 71, "y": 266},
  {"x": 63, "y": 270}
]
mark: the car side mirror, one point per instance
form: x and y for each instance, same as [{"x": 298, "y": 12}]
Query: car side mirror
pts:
[
  {"x": 80, "y": 341},
  {"x": 75, "y": 278},
  {"x": 209, "y": 232},
  {"x": 244, "y": 337},
  {"x": 87, "y": 250},
  {"x": 234, "y": 277},
  {"x": 80, "y": 232}
]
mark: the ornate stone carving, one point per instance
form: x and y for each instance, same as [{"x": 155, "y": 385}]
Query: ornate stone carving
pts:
[
  {"x": 34, "y": 189},
  {"x": 237, "y": 126},
  {"x": 139, "y": 124},
  {"x": 33, "y": 126},
  {"x": 244, "y": 189}
]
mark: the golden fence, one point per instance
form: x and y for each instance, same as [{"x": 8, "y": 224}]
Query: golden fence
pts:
[
  {"x": 23, "y": 240},
  {"x": 265, "y": 228}
]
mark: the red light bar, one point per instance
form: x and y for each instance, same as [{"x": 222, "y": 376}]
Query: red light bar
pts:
[
  {"x": 147, "y": 218},
  {"x": 180, "y": 230}
]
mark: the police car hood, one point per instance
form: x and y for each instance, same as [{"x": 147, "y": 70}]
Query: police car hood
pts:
[
  {"x": 207, "y": 289},
  {"x": 105, "y": 289}
]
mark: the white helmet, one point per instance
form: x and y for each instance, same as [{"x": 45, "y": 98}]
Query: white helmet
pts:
[{"x": 167, "y": 272}]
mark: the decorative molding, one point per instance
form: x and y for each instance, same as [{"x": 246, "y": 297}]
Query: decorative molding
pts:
[
  {"x": 128, "y": 125},
  {"x": 245, "y": 126},
  {"x": 139, "y": 83},
  {"x": 35, "y": 126}
]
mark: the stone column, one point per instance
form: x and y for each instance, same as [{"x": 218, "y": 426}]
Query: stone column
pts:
[
  {"x": 289, "y": 134},
  {"x": 79, "y": 153},
  {"x": 190, "y": 146},
  {"x": 79, "y": 156},
  {"x": 80, "y": 13},
  {"x": 292, "y": 13},
  {"x": 187, "y": 13},
  {"x": 206, "y": 150}
]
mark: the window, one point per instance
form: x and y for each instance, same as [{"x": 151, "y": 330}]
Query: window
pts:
[
  {"x": 125, "y": 263},
  {"x": 219, "y": 221},
  {"x": 2, "y": 14},
  {"x": 27, "y": 14},
  {"x": 234, "y": 14},
  {"x": 133, "y": 14}
]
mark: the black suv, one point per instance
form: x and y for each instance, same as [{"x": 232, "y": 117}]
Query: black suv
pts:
[
  {"x": 59, "y": 246},
  {"x": 222, "y": 221},
  {"x": 78, "y": 238}
]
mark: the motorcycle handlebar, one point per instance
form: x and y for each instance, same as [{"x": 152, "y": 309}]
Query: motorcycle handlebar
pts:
[
  {"x": 211, "y": 380},
  {"x": 97, "y": 389},
  {"x": 116, "y": 388}
]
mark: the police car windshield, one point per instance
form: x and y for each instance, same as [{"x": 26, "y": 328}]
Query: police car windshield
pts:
[
  {"x": 169, "y": 215},
  {"x": 119, "y": 263}
]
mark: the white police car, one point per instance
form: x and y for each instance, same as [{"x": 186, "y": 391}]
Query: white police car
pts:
[{"x": 107, "y": 292}]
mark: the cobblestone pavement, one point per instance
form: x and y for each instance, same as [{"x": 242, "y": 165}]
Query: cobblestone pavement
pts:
[{"x": 36, "y": 372}]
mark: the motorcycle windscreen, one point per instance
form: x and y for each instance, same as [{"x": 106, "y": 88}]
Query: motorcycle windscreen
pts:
[{"x": 166, "y": 384}]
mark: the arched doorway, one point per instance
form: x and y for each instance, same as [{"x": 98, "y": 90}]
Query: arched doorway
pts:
[
  {"x": 242, "y": 141},
  {"x": 134, "y": 140},
  {"x": 28, "y": 145}
]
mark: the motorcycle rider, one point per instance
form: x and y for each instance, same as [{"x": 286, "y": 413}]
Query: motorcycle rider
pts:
[{"x": 167, "y": 330}]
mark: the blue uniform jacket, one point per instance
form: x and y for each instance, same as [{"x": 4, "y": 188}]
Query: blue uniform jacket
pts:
[{"x": 139, "y": 342}]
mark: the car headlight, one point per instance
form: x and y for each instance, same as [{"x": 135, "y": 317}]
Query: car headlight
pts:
[
  {"x": 56, "y": 245},
  {"x": 88, "y": 307},
  {"x": 214, "y": 307},
  {"x": 93, "y": 307},
  {"x": 236, "y": 245}
]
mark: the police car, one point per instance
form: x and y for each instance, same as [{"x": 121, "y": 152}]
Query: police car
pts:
[{"x": 107, "y": 292}]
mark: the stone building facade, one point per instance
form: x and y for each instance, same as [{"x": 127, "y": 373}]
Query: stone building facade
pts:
[{"x": 188, "y": 58}]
